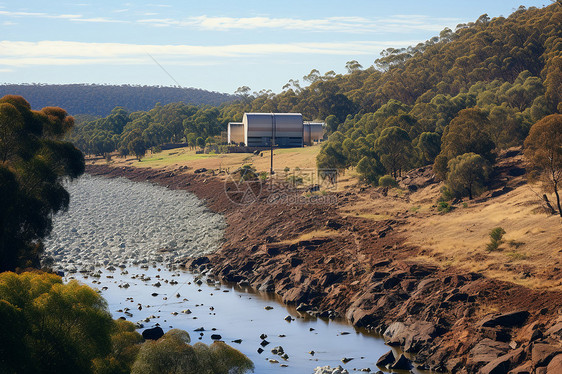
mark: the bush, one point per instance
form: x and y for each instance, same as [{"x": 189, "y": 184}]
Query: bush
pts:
[
  {"x": 496, "y": 236},
  {"x": 446, "y": 194},
  {"x": 172, "y": 353},
  {"x": 51, "y": 327},
  {"x": 444, "y": 207},
  {"x": 387, "y": 181}
]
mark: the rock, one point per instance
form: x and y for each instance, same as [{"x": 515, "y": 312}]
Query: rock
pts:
[
  {"x": 555, "y": 365},
  {"x": 542, "y": 353},
  {"x": 413, "y": 337},
  {"x": 216, "y": 337},
  {"x": 333, "y": 224},
  {"x": 513, "y": 319},
  {"x": 503, "y": 363},
  {"x": 260, "y": 350},
  {"x": 289, "y": 319},
  {"x": 345, "y": 360},
  {"x": 237, "y": 341},
  {"x": 486, "y": 351},
  {"x": 386, "y": 359},
  {"x": 263, "y": 336},
  {"x": 330, "y": 370},
  {"x": 303, "y": 307},
  {"x": 401, "y": 363},
  {"x": 201, "y": 170},
  {"x": 278, "y": 350},
  {"x": 153, "y": 334}
]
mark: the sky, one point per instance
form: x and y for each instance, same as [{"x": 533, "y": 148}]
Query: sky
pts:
[{"x": 216, "y": 45}]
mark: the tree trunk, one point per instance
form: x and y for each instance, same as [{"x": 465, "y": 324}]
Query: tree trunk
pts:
[
  {"x": 557, "y": 198},
  {"x": 548, "y": 205}
]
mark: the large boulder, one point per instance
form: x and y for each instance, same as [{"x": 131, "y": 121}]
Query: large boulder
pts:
[
  {"x": 153, "y": 334},
  {"x": 512, "y": 319},
  {"x": 412, "y": 337},
  {"x": 503, "y": 363},
  {"x": 555, "y": 365},
  {"x": 386, "y": 359}
]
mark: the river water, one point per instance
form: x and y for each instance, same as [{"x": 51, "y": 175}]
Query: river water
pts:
[{"x": 122, "y": 238}]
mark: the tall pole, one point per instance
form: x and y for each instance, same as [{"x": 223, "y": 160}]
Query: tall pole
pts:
[{"x": 273, "y": 129}]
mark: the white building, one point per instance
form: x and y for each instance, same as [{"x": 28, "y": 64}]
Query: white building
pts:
[{"x": 283, "y": 129}]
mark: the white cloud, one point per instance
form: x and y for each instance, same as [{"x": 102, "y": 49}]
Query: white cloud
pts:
[
  {"x": 69, "y": 17},
  {"x": 15, "y": 53},
  {"x": 98, "y": 20},
  {"x": 37, "y": 14},
  {"x": 398, "y": 23}
]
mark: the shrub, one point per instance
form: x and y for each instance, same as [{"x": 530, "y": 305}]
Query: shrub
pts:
[
  {"x": 51, "y": 327},
  {"x": 387, "y": 181},
  {"x": 172, "y": 353},
  {"x": 444, "y": 207},
  {"x": 496, "y": 236}
]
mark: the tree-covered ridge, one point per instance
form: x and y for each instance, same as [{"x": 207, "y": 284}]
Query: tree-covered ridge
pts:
[
  {"x": 101, "y": 99},
  {"x": 470, "y": 91}
]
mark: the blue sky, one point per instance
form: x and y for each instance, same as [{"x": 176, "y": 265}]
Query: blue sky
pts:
[{"x": 215, "y": 45}]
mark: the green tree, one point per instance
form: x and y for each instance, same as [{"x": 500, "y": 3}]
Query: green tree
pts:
[
  {"x": 370, "y": 169},
  {"x": 125, "y": 345},
  {"x": 137, "y": 147},
  {"x": 468, "y": 174},
  {"x": 394, "y": 148},
  {"x": 466, "y": 133},
  {"x": 35, "y": 161},
  {"x": 51, "y": 327},
  {"x": 543, "y": 149},
  {"x": 172, "y": 353},
  {"x": 200, "y": 142},
  {"x": 429, "y": 145}
]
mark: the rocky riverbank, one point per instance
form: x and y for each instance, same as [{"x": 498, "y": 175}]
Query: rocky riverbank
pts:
[{"x": 361, "y": 269}]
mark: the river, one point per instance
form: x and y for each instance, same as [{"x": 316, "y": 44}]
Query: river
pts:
[{"x": 123, "y": 238}]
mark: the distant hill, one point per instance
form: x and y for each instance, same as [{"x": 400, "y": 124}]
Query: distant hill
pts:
[{"x": 99, "y": 100}]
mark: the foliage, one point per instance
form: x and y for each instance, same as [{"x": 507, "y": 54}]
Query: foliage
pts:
[
  {"x": 444, "y": 207},
  {"x": 496, "y": 236},
  {"x": 34, "y": 163},
  {"x": 544, "y": 152},
  {"x": 465, "y": 134},
  {"x": 394, "y": 148},
  {"x": 468, "y": 174},
  {"x": 387, "y": 181},
  {"x": 173, "y": 354},
  {"x": 125, "y": 345},
  {"x": 51, "y": 327},
  {"x": 370, "y": 169}
]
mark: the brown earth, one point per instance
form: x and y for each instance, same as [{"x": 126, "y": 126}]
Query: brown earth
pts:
[{"x": 352, "y": 254}]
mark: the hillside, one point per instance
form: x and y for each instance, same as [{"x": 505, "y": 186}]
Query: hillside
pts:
[{"x": 99, "y": 99}]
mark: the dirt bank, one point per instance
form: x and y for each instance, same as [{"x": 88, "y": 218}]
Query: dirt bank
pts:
[{"x": 333, "y": 264}]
